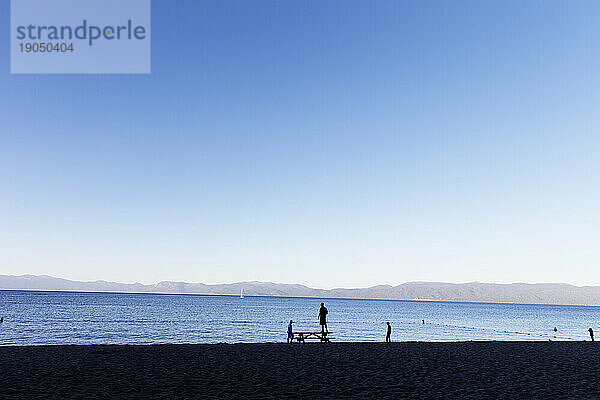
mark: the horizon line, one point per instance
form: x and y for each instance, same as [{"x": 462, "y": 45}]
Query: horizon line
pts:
[{"x": 295, "y": 297}]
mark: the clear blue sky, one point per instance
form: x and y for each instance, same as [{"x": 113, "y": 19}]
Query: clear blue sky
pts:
[{"x": 338, "y": 143}]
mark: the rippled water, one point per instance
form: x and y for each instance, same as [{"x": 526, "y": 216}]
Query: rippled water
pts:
[{"x": 91, "y": 318}]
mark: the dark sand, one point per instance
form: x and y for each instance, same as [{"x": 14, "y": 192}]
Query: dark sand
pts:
[{"x": 549, "y": 370}]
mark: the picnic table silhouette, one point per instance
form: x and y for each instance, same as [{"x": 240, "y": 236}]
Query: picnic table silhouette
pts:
[{"x": 302, "y": 336}]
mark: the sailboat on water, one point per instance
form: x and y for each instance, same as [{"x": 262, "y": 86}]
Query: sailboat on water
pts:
[{"x": 242, "y": 293}]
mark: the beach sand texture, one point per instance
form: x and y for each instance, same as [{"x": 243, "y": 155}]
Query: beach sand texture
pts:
[{"x": 484, "y": 370}]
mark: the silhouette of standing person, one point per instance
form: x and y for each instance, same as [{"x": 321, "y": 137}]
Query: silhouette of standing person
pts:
[
  {"x": 323, "y": 318},
  {"x": 290, "y": 332},
  {"x": 591, "y": 331},
  {"x": 388, "y": 336}
]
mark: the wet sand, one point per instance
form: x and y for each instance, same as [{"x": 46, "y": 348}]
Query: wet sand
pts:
[{"x": 557, "y": 370}]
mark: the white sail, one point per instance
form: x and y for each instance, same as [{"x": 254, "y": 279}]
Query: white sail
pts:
[{"x": 242, "y": 293}]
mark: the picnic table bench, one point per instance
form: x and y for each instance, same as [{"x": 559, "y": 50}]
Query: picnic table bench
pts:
[{"x": 318, "y": 335}]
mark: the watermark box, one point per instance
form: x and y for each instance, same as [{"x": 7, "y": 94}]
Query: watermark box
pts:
[{"x": 80, "y": 36}]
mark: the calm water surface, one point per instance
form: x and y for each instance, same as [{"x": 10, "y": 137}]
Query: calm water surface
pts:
[{"x": 33, "y": 318}]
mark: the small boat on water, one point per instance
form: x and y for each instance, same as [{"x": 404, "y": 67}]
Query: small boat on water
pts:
[{"x": 242, "y": 293}]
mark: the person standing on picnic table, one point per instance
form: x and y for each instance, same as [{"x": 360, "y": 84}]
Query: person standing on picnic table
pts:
[
  {"x": 323, "y": 318},
  {"x": 388, "y": 336}
]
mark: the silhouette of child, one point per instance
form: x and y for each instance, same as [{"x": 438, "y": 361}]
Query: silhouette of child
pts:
[
  {"x": 389, "y": 333},
  {"x": 290, "y": 332},
  {"x": 591, "y": 331}
]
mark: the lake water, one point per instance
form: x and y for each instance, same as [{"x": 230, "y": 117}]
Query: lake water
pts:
[{"x": 34, "y": 318}]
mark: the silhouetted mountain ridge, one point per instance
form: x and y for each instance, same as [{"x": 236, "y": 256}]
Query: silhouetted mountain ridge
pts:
[{"x": 539, "y": 293}]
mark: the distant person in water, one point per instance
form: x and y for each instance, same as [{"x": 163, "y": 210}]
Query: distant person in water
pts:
[
  {"x": 1, "y": 320},
  {"x": 323, "y": 318},
  {"x": 591, "y": 331},
  {"x": 423, "y": 320},
  {"x": 290, "y": 337},
  {"x": 555, "y": 329},
  {"x": 388, "y": 336}
]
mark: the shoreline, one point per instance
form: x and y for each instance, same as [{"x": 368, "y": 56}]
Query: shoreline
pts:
[{"x": 475, "y": 369}]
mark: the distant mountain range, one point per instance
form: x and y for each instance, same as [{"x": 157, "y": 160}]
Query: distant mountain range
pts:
[{"x": 539, "y": 293}]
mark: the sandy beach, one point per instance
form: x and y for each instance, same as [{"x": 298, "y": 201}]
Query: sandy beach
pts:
[{"x": 334, "y": 371}]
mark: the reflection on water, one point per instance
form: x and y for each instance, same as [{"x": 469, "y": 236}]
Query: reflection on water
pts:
[{"x": 92, "y": 318}]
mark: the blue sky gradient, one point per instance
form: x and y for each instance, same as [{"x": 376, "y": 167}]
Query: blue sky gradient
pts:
[{"x": 339, "y": 143}]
